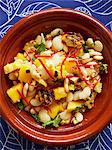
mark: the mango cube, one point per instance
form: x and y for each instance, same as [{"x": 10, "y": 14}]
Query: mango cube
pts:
[
  {"x": 59, "y": 93},
  {"x": 13, "y": 94},
  {"x": 69, "y": 65},
  {"x": 24, "y": 73},
  {"x": 53, "y": 110},
  {"x": 37, "y": 62},
  {"x": 20, "y": 56},
  {"x": 12, "y": 67},
  {"x": 64, "y": 72},
  {"x": 73, "y": 105}
]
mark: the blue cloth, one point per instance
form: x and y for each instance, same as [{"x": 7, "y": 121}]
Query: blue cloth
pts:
[{"x": 13, "y": 10}]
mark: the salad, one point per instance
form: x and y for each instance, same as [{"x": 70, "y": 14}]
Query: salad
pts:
[{"x": 56, "y": 77}]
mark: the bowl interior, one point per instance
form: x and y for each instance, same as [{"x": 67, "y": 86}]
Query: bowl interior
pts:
[{"x": 27, "y": 30}]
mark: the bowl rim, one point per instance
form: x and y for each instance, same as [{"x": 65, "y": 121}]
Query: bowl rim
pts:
[{"x": 40, "y": 139}]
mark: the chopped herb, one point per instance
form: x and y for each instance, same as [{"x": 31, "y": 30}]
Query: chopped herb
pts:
[
  {"x": 36, "y": 45},
  {"x": 79, "y": 57},
  {"x": 77, "y": 108},
  {"x": 40, "y": 48},
  {"x": 33, "y": 59},
  {"x": 36, "y": 117},
  {"x": 21, "y": 105},
  {"x": 44, "y": 33},
  {"x": 103, "y": 68},
  {"x": 85, "y": 48},
  {"x": 54, "y": 122}
]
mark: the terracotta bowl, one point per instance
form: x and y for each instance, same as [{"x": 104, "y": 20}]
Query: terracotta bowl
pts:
[{"x": 27, "y": 29}]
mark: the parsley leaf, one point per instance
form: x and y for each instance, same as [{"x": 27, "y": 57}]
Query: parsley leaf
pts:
[
  {"x": 21, "y": 105},
  {"x": 33, "y": 59},
  {"x": 36, "y": 117},
  {"x": 54, "y": 122},
  {"x": 103, "y": 68},
  {"x": 85, "y": 48},
  {"x": 40, "y": 48}
]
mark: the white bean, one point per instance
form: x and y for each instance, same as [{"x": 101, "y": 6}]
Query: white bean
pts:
[
  {"x": 48, "y": 44},
  {"x": 87, "y": 60},
  {"x": 38, "y": 39},
  {"x": 65, "y": 115},
  {"x": 69, "y": 97},
  {"x": 95, "y": 53},
  {"x": 65, "y": 48},
  {"x": 56, "y": 31},
  {"x": 78, "y": 118},
  {"x": 42, "y": 37},
  {"x": 98, "y": 46},
  {"x": 57, "y": 43},
  {"x": 32, "y": 86},
  {"x": 27, "y": 108},
  {"x": 32, "y": 111},
  {"x": 25, "y": 89},
  {"x": 44, "y": 117},
  {"x": 74, "y": 79},
  {"x": 98, "y": 57},
  {"x": 66, "y": 82},
  {"x": 90, "y": 42},
  {"x": 83, "y": 71},
  {"x": 86, "y": 56},
  {"x": 91, "y": 72},
  {"x": 76, "y": 95},
  {"x": 32, "y": 93},
  {"x": 35, "y": 102},
  {"x": 85, "y": 93},
  {"x": 92, "y": 63}
]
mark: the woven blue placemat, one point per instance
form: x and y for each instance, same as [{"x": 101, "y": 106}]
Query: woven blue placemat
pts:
[{"x": 13, "y": 10}]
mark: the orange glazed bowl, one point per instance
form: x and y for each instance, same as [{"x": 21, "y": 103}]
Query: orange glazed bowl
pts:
[{"x": 27, "y": 29}]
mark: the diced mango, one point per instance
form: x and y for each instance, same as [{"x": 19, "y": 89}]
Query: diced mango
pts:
[
  {"x": 13, "y": 94},
  {"x": 24, "y": 73},
  {"x": 69, "y": 65},
  {"x": 64, "y": 72},
  {"x": 73, "y": 105},
  {"x": 20, "y": 56},
  {"x": 59, "y": 93},
  {"x": 61, "y": 107},
  {"x": 37, "y": 62},
  {"x": 63, "y": 37},
  {"x": 53, "y": 110},
  {"x": 12, "y": 67},
  {"x": 81, "y": 52}
]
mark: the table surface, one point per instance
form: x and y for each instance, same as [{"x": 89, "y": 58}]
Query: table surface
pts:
[{"x": 13, "y": 10}]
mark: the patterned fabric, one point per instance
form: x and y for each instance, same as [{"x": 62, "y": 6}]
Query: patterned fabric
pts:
[{"x": 13, "y": 10}]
